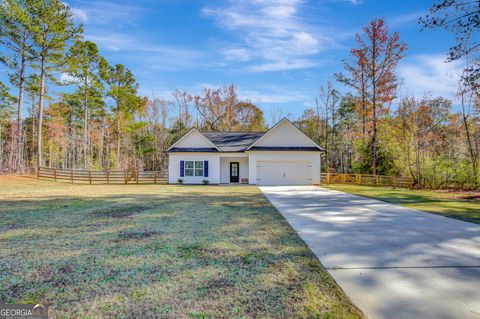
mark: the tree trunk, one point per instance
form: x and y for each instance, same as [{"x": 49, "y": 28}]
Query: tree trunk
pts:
[
  {"x": 472, "y": 151},
  {"x": 40, "y": 110},
  {"x": 118, "y": 138},
  {"x": 332, "y": 153},
  {"x": 85, "y": 126},
  {"x": 374, "y": 138},
  {"x": 100, "y": 147},
  {"x": 1, "y": 147},
  {"x": 33, "y": 115},
  {"x": 374, "y": 104},
  {"x": 364, "y": 105},
  {"x": 21, "y": 88},
  {"x": 327, "y": 164}
]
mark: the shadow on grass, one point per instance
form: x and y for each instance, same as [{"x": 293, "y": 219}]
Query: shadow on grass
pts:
[{"x": 430, "y": 202}]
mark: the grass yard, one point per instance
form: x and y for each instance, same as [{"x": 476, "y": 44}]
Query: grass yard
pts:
[
  {"x": 459, "y": 205},
  {"x": 153, "y": 251}
]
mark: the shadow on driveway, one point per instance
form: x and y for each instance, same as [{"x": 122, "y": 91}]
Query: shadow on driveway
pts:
[{"x": 393, "y": 261}]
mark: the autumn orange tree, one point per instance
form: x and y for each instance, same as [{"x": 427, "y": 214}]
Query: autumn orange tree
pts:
[
  {"x": 371, "y": 72},
  {"x": 222, "y": 110}
]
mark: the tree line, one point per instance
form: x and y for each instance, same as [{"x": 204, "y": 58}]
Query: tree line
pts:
[
  {"x": 105, "y": 124},
  {"x": 372, "y": 130}
]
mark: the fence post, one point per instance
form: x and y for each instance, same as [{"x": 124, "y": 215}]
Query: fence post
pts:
[
  {"x": 360, "y": 179},
  {"x": 376, "y": 180},
  {"x": 155, "y": 177},
  {"x": 71, "y": 175},
  {"x": 125, "y": 177},
  {"x": 343, "y": 179},
  {"x": 90, "y": 177},
  {"x": 108, "y": 177},
  {"x": 55, "y": 173},
  {"x": 38, "y": 172},
  {"x": 136, "y": 175},
  {"x": 393, "y": 182},
  {"x": 328, "y": 178}
]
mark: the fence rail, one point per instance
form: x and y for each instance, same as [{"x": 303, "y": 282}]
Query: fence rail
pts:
[
  {"x": 370, "y": 180},
  {"x": 104, "y": 177}
]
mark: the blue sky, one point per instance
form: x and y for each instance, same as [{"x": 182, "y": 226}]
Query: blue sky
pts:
[{"x": 278, "y": 52}]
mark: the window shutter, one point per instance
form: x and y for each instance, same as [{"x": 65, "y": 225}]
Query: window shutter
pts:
[
  {"x": 182, "y": 168},
  {"x": 205, "y": 167}
]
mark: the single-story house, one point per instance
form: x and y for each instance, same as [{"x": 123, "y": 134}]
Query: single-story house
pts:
[{"x": 283, "y": 155}]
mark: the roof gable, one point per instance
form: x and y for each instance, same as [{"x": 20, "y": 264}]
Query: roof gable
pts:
[
  {"x": 232, "y": 141},
  {"x": 193, "y": 139},
  {"x": 284, "y": 134}
]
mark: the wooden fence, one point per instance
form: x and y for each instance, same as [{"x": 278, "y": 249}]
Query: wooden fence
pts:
[
  {"x": 104, "y": 177},
  {"x": 370, "y": 180}
]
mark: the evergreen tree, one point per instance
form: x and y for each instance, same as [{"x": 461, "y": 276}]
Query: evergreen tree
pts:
[
  {"x": 54, "y": 28},
  {"x": 16, "y": 34},
  {"x": 84, "y": 65}
]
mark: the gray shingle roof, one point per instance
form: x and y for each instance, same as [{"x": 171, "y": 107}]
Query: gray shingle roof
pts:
[
  {"x": 233, "y": 141},
  {"x": 286, "y": 148},
  {"x": 193, "y": 149}
]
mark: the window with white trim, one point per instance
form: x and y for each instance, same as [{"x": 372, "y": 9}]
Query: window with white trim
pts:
[
  {"x": 189, "y": 168},
  {"x": 194, "y": 168},
  {"x": 198, "y": 168}
]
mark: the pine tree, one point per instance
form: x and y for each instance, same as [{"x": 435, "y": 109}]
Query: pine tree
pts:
[
  {"x": 54, "y": 28},
  {"x": 16, "y": 34},
  {"x": 84, "y": 65}
]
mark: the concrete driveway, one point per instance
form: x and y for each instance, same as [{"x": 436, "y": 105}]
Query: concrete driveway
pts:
[{"x": 392, "y": 261}]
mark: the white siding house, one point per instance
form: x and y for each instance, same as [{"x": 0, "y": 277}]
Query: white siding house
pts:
[{"x": 283, "y": 155}]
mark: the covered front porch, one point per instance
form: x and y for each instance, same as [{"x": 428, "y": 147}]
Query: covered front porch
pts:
[{"x": 234, "y": 168}]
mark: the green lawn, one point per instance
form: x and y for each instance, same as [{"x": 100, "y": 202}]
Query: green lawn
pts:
[
  {"x": 150, "y": 251},
  {"x": 459, "y": 205}
]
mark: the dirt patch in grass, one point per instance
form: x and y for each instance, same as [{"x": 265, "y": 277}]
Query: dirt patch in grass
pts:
[
  {"x": 475, "y": 197},
  {"x": 119, "y": 211},
  {"x": 457, "y": 194},
  {"x": 138, "y": 235},
  {"x": 190, "y": 250}
]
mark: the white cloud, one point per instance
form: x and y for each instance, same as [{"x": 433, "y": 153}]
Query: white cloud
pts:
[
  {"x": 105, "y": 12},
  {"x": 272, "y": 32},
  {"x": 139, "y": 49},
  {"x": 283, "y": 66},
  {"x": 66, "y": 78},
  {"x": 404, "y": 19},
  {"x": 430, "y": 74},
  {"x": 354, "y": 2},
  {"x": 122, "y": 41},
  {"x": 236, "y": 54},
  {"x": 110, "y": 41},
  {"x": 287, "y": 96},
  {"x": 305, "y": 42},
  {"x": 80, "y": 14}
]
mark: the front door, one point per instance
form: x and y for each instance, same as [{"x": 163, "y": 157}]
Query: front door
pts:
[{"x": 234, "y": 172}]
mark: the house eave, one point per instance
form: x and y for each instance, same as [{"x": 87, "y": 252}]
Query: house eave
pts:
[
  {"x": 192, "y": 150},
  {"x": 285, "y": 149}
]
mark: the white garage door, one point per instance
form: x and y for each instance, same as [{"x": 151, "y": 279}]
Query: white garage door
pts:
[{"x": 284, "y": 173}]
